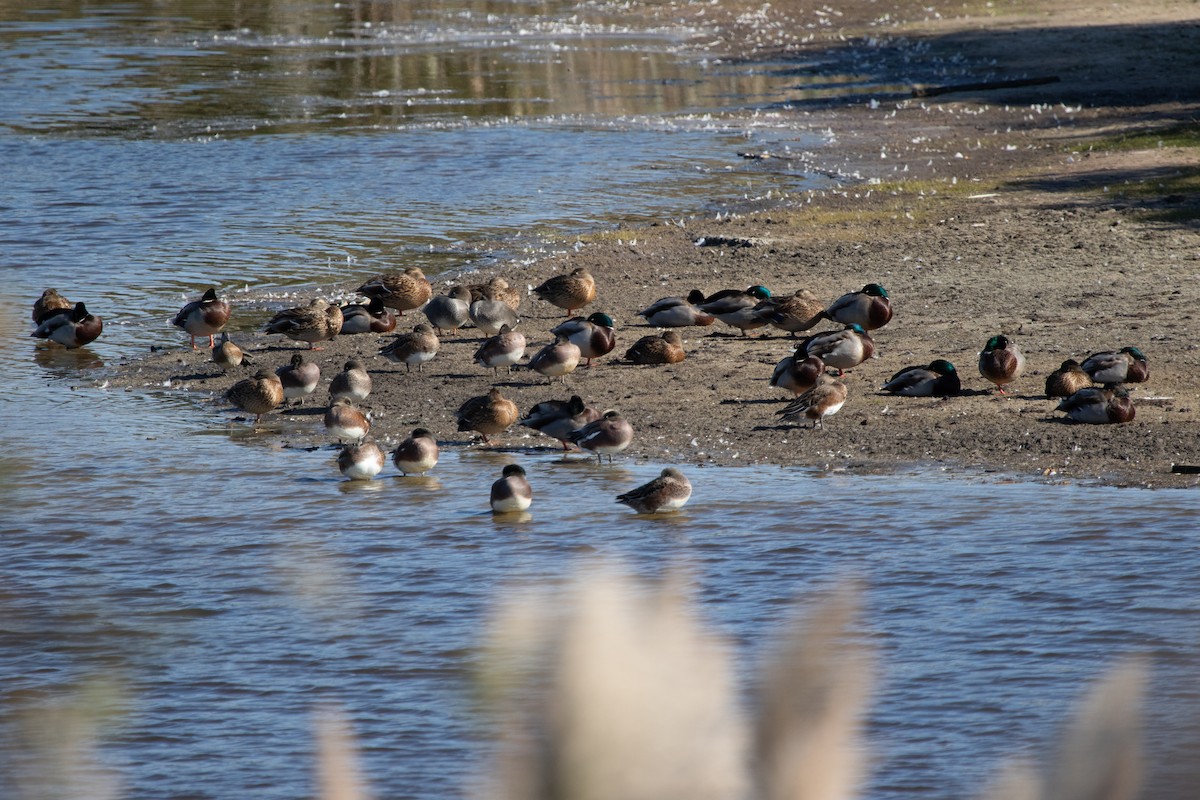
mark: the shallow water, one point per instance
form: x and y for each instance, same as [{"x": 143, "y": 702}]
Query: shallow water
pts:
[{"x": 230, "y": 583}]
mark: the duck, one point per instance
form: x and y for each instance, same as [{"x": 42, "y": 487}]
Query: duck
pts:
[
  {"x": 258, "y": 395},
  {"x": 1001, "y": 362},
  {"x": 869, "y": 307},
  {"x": 402, "y": 291},
  {"x": 736, "y": 308},
  {"x": 346, "y": 423},
  {"x": 417, "y": 454},
  {"x": 504, "y": 349},
  {"x": 668, "y": 492},
  {"x": 593, "y": 336},
  {"x": 557, "y": 360},
  {"x": 823, "y": 400},
  {"x": 559, "y": 419},
  {"x": 450, "y": 311},
  {"x": 608, "y": 435},
  {"x": 512, "y": 492},
  {"x": 799, "y": 312},
  {"x": 797, "y": 373},
  {"x": 663, "y": 348},
  {"x": 227, "y": 354},
  {"x": 490, "y": 314},
  {"x": 491, "y": 413},
  {"x": 939, "y": 379},
  {"x": 413, "y": 348},
  {"x": 299, "y": 378},
  {"x": 500, "y": 291},
  {"x": 1099, "y": 406},
  {"x": 1068, "y": 379},
  {"x": 203, "y": 317},
  {"x": 49, "y": 304},
  {"x": 319, "y": 321},
  {"x": 71, "y": 329},
  {"x": 571, "y": 291},
  {"x": 360, "y": 462},
  {"x": 677, "y": 312},
  {"x": 353, "y": 382},
  {"x": 1127, "y": 365},
  {"x": 842, "y": 350},
  {"x": 374, "y": 317}
]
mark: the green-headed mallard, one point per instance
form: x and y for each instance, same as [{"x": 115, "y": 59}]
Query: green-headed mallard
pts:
[
  {"x": 571, "y": 291},
  {"x": 823, "y": 400},
  {"x": 417, "y": 454},
  {"x": 869, "y": 307},
  {"x": 71, "y": 329},
  {"x": 49, "y": 304},
  {"x": 504, "y": 349},
  {"x": 353, "y": 382},
  {"x": 1098, "y": 406},
  {"x": 450, "y": 311},
  {"x": 677, "y": 312},
  {"x": 416, "y": 347},
  {"x": 346, "y": 423},
  {"x": 593, "y": 336},
  {"x": 319, "y": 321},
  {"x": 402, "y": 291},
  {"x": 664, "y": 348},
  {"x": 1001, "y": 362},
  {"x": 668, "y": 492},
  {"x": 556, "y": 360},
  {"x": 203, "y": 317},
  {"x": 299, "y": 378},
  {"x": 491, "y": 413},
  {"x": 227, "y": 354},
  {"x": 939, "y": 379},
  {"x": 1127, "y": 365},
  {"x": 560, "y": 418},
  {"x": 512, "y": 491},
  {"x": 793, "y": 314},
  {"x": 610, "y": 434},
  {"x": 736, "y": 308},
  {"x": 797, "y": 373},
  {"x": 361, "y": 461},
  {"x": 1068, "y": 379},
  {"x": 373, "y": 317},
  {"x": 842, "y": 349},
  {"x": 490, "y": 314},
  {"x": 257, "y": 395}
]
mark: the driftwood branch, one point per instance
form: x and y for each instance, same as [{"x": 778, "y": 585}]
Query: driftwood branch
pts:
[{"x": 983, "y": 86}]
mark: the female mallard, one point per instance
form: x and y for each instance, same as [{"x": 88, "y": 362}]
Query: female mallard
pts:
[
  {"x": 504, "y": 349},
  {"x": 736, "y": 308},
  {"x": 450, "y": 311},
  {"x": 842, "y": 349},
  {"x": 571, "y": 291},
  {"x": 557, "y": 360},
  {"x": 353, "y": 382},
  {"x": 299, "y": 378},
  {"x": 71, "y": 329},
  {"x": 1001, "y": 362},
  {"x": 360, "y": 462},
  {"x": 823, "y": 400},
  {"x": 677, "y": 312},
  {"x": 512, "y": 491},
  {"x": 500, "y": 291},
  {"x": 668, "y": 492},
  {"x": 417, "y": 454},
  {"x": 49, "y": 304},
  {"x": 870, "y": 307},
  {"x": 319, "y": 321},
  {"x": 227, "y": 354},
  {"x": 1067, "y": 379},
  {"x": 490, "y": 314},
  {"x": 413, "y": 348},
  {"x": 797, "y": 373},
  {"x": 402, "y": 291},
  {"x": 1098, "y": 406},
  {"x": 203, "y": 317},
  {"x": 610, "y": 434},
  {"x": 1127, "y": 365},
  {"x": 939, "y": 379},
  {"x": 797, "y": 313},
  {"x": 560, "y": 418},
  {"x": 593, "y": 336},
  {"x": 665, "y": 348},
  {"x": 374, "y": 317},
  {"x": 257, "y": 395},
  {"x": 346, "y": 423},
  {"x": 491, "y": 413}
]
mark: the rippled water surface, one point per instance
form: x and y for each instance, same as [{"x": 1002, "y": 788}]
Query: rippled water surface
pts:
[{"x": 227, "y": 584}]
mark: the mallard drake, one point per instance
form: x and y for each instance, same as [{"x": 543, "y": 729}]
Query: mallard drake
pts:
[
  {"x": 413, "y": 348},
  {"x": 677, "y": 312},
  {"x": 797, "y": 373},
  {"x": 49, "y": 304},
  {"x": 610, "y": 434},
  {"x": 664, "y": 348},
  {"x": 258, "y": 395},
  {"x": 556, "y": 360},
  {"x": 346, "y": 423},
  {"x": 668, "y": 492},
  {"x": 1127, "y": 365},
  {"x": 402, "y": 291},
  {"x": 939, "y": 379},
  {"x": 353, "y": 382},
  {"x": 560, "y": 418},
  {"x": 593, "y": 336},
  {"x": 203, "y": 317},
  {"x": 793, "y": 314},
  {"x": 1001, "y": 362},
  {"x": 842, "y": 350},
  {"x": 504, "y": 349},
  {"x": 374, "y": 317},
  {"x": 71, "y": 329},
  {"x": 299, "y": 378},
  {"x": 417, "y": 454},
  {"x": 572, "y": 291},
  {"x": 736, "y": 308},
  {"x": 512, "y": 491},
  {"x": 227, "y": 354},
  {"x": 869, "y": 307},
  {"x": 490, "y": 314},
  {"x": 360, "y": 462},
  {"x": 500, "y": 291},
  {"x": 491, "y": 413},
  {"x": 450, "y": 311},
  {"x": 1098, "y": 406},
  {"x": 319, "y": 321},
  {"x": 823, "y": 400},
  {"x": 1068, "y": 379}
]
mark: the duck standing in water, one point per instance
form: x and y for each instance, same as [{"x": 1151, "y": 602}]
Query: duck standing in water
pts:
[
  {"x": 71, "y": 329},
  {"x": 608, "y": 435},
  {"x": 360, "y": 462},
  {"x": 560, "y": 418},
  {"x": 512, "y": 492},
  {"x": 346, "y": 423},
  {"x": 203, "y": 317},
  {"x": 668, "y": 492},
  {"x": 417, "y": 454},
  {"x": 49, "y": 304}
]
